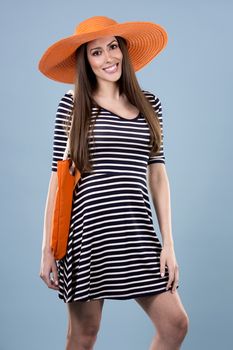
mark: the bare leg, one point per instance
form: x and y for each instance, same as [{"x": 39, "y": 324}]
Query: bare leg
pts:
[
  {"x": 83, "y": 324},
  {"x": 169, "y": 318}
]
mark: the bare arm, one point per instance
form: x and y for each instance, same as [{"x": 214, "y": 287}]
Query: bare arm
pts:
[
  {"x": 160, "y": 193},
  {"x": 48, "y": 263},
  {"x": 49, "y": 207}
]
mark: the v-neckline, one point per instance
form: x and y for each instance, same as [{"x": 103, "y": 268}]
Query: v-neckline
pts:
[{"x": 117, "y": 115}]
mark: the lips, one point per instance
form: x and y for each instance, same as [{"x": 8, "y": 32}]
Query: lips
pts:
[{"x": 111, "y": 69}]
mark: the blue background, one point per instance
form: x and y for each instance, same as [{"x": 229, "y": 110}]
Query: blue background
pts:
[{"x": 193, "y": 79}]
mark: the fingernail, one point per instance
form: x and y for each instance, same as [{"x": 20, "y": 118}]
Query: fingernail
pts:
[
  {"x": 162, "y": 274},
  {"x": 56, "y": 282}
]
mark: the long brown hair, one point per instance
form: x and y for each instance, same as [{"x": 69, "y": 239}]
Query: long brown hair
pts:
[{"x": 85, "y": 85}]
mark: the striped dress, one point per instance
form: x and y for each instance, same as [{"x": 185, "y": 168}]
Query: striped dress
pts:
[{"x": 113, "y": 250}]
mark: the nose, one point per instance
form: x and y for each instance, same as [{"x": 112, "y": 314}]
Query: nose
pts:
[{"x": 108, "y": 56}]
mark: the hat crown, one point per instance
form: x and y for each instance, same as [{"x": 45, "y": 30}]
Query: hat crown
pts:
[{"x": 93, "y": 24}]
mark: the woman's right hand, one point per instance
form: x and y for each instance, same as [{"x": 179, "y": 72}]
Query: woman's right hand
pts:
[{"x": 48, "y": 266}]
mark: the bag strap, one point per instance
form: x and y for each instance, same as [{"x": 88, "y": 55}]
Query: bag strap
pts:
[{"x": 67, "y": 149}]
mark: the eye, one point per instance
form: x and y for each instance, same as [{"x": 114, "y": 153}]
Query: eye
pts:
[
  {"x": 94, "y": 53},
  {"x": 116, "y": 45}
]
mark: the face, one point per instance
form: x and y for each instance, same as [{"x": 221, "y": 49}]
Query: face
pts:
[{"x": 105, "y": 58}]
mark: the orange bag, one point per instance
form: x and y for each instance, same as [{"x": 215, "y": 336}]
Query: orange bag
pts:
[
  {"x": 63, "y": 207},
  {"x": 67, "y": 178}
]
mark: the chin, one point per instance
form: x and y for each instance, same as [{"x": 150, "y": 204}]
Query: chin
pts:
[
  {"x": 113, "y": 78},
  {"x": 106, "y": 77}
]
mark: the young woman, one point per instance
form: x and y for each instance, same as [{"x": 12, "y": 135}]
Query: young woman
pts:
[{"x": 116, "y": 142}]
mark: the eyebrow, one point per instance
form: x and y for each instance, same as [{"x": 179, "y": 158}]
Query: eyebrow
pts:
[{"x": 94, "y": 48}]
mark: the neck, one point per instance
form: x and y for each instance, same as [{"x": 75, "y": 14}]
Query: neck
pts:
[{"x": 108, "y": 90}]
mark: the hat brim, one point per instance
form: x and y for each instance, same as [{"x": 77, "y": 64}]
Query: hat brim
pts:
[{"x": 145, "y": 40}]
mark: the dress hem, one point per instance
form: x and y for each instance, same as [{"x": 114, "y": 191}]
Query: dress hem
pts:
[{"x": 132, "y": 296}]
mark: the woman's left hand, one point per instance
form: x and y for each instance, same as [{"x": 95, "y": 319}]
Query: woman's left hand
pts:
[{"x": 167, "y": 257}]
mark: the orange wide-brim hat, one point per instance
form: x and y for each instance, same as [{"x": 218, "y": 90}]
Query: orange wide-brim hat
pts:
[{"x": 145, "y": 40}]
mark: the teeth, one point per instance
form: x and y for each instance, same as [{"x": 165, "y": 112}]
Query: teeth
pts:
[
  {"x": 110, "y": 66},
  {"x": 111, "y": 69}
]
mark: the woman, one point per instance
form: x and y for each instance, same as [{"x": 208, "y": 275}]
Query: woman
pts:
[{"x": 116, "y": 137}]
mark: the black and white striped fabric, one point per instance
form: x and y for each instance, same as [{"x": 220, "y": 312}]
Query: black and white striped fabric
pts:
[{"x": 113, "y": 250}]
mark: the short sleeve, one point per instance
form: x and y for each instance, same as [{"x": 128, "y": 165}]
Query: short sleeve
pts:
[
  {"x": 159, "y": 157},
  {"x": 62, "y": 120}
]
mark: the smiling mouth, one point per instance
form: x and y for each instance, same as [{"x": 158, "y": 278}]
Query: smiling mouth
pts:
[{"x": 111, "y": 69}]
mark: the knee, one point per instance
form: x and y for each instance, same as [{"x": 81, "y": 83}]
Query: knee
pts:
[
  {"x": 88, "y": 338},
  {"x": 183, "y": 324},
  {"x": 83, "y": 339},
  {"x": 176, "y": 329},
  {"x": 180, "y": 326}
]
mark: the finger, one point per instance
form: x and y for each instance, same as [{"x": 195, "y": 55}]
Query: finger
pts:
[
  {"x": 162, "y": 266},
  {"x": 55, "y": 275},
  {"x": 176, "y": 279},
  {"x": 46, "y": 278},
  {"x": 48, "y": 281},
  {"x": 171, "y": 277},
  {"x": 51, "y": 283}
]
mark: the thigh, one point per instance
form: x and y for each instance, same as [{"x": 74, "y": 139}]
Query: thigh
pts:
[
  {"x": 85, "y": 316},
  {"x": 164, "y": 309}
]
